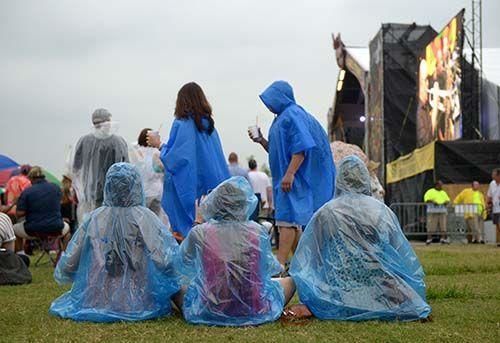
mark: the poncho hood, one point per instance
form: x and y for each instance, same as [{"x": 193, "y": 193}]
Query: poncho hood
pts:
[
  {"x": 123, "y": 187},
  {"x": 278, "y": 96},
  {"x": 352, "y": 177},
  {"x": 232, "y": 200}
]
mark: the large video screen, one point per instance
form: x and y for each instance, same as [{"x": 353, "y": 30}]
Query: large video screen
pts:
[{"x": 439, "y": 115}]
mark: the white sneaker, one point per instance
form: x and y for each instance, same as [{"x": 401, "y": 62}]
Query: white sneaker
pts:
[
  {"x": 445, "y": 241},
  {"x": 429, "y": 241}
]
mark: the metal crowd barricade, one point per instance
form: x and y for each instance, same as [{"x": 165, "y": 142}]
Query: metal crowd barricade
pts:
[{"x": 413, "y": 218}]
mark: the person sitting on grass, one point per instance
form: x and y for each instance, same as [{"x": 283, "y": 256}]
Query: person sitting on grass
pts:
[
  {"x": 227, "y": 263},
  {"x": 353, "y": 261},
  {"x": 120, "y": 260}
]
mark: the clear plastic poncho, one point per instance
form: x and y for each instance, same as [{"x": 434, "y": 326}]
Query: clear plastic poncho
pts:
[
  {"x": 93, "y": 155},
  {"x": 120, "y": 260},
  {"x": 148, "y": 164},
  {"x": 227, "y": 263},
  {"x": 353, "y": 262}
]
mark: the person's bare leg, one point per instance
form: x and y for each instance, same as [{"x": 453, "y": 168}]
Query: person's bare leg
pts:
[
  {"x": 178, "y": 298},
  {"x": 298, "y": 233},
  {"x": 498, "y": 235},
  {"x": 287, "y": 238},
  {"x": 19, "y": 245},
  {"x": 9, "y": 246},
  {"x": 65, "y": 241},
  {"x": 288, "y": 288}
]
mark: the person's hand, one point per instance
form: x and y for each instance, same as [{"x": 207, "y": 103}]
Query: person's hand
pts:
[
  {"x": 197, "y": 208},
  {"x": 287, "y": 182},
  {"x": 255, "y": 139},
  {"x": 153, "y": 139},
  {"x": 178, "y": 237}
]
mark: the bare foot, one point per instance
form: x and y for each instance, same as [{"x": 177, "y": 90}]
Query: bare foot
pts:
[{"x": 296, "y": 313}]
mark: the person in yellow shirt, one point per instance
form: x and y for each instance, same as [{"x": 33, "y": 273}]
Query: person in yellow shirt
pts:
[
  {"x": 474, "y": 212},
  {"x": 436, "y": 199}
]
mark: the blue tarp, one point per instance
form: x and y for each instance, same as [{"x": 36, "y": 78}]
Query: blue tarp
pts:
[
  {"x": 120, "y": 261},
  {"x": 353, "y": 262}
]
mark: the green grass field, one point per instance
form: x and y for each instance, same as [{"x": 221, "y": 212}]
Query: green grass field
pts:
[{"x": 463, "y": 290}]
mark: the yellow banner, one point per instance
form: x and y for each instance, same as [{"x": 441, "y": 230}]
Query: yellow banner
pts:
[{"x": 416, "y": 162}]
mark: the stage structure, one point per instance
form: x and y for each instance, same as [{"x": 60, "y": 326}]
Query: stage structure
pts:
[{"x": 413, "y": 105}]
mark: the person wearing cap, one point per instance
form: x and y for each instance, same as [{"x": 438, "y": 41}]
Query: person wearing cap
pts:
[
  {"x": 40, "y": 206},
  {"x": 93, "y": 155}
]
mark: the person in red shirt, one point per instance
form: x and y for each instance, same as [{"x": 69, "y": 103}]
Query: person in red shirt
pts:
[{"x": 15, "y": 186}]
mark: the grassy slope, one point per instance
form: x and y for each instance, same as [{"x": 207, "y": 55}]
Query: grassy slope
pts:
[{"x": 463, "y": 289}]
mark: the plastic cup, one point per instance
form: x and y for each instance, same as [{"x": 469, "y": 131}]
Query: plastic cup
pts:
[{"x": 254, "y": 131}]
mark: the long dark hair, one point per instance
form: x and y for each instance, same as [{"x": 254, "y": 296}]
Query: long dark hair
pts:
[
  {"x": 142, "y": 140},
  {"x": 191, "y": 101}
]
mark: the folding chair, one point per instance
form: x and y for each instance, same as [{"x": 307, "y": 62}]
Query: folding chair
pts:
[{"x": 49, "y": 242}]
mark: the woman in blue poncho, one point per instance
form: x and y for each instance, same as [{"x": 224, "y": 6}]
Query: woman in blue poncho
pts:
[
  {"x": 227, "y": 263},
  {"x": 354, "y": 262},
  {"x": 120, "y": 261},
  {"x": 301, "y": 164},
  {"x": 193, "y": 158}
]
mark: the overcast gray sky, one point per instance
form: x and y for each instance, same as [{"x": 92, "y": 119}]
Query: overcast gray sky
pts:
[{"x": 60, "y": 60}]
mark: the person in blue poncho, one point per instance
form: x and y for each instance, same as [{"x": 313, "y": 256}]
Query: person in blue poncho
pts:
[
  {"x": 193, "y": 158},
  {"x": 120, "y": 261},
  {"x": 301, "y": 164},
  {"x": 354, "y": 262},
  {"x": 226, "y": 263}
]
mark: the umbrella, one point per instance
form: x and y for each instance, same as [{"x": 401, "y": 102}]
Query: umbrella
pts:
[
  {"x": 7, "y": 166},
  {"x": 51, "y": 178}
]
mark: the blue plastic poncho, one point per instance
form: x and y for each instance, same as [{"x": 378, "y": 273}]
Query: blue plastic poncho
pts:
[
  {"x": 294, "y": 131},
  {"x": 194, "y": 164},
  {"x": 227, "y": 263},
  {"x": 353, "y": 262},
  {"x": 120, "y": 260}
]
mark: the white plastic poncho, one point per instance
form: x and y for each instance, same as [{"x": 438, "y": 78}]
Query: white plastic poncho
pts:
[
  {"x": 148, "y": 164},
  {"x": 353, "y": 262},
  {"x": 120, "y": 260},
  {"x": 93, "y": 155},
  {"x": 227, "y": 263}
]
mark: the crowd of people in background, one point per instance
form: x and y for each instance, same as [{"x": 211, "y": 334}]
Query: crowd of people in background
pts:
[{"x": 157, "y": 224}]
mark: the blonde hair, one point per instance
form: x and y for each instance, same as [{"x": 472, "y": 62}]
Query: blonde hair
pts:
[{"x": 36, "y": 173}]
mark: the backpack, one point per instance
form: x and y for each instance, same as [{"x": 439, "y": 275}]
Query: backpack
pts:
[{"x": 13, "y": 271}]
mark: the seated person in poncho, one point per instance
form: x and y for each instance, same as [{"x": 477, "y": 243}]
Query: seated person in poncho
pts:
[
  {"x": 227, "y": 263},
  {"x": 353, "y": 261},
  {"x": 120, "y": 260}
]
